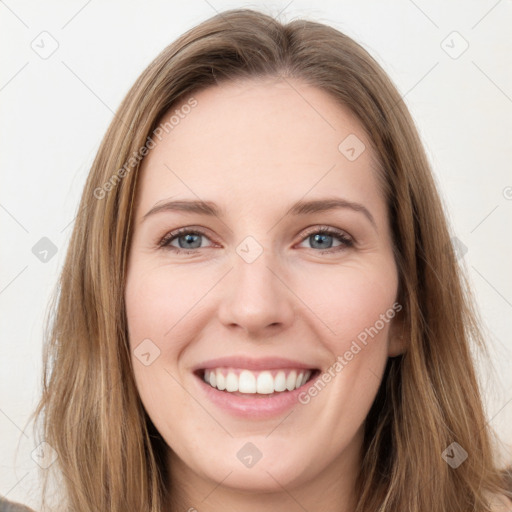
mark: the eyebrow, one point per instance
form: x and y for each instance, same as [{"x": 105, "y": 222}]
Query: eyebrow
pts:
[{"x": 299, "y": 208}]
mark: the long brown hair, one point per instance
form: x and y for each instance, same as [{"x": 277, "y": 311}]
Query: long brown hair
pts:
[{"x": 109, "y": 453}]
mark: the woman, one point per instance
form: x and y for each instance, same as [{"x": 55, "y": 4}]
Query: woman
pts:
[{"x": 208, "y": 352}]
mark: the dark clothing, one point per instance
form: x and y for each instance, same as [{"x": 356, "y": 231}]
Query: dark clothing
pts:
[{"x": 9, "y": 506}]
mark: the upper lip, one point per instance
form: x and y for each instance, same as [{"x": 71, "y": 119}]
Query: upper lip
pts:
[{"x": 265, "y": 363}]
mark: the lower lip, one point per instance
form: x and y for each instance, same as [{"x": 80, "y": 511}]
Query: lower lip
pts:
[{"x": 254, "y": 408}]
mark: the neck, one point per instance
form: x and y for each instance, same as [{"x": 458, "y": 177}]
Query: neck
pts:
[{"x": 332, "y": 489}]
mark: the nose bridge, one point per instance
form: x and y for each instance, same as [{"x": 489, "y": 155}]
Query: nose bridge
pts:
[{"x": 255, "y": 298}]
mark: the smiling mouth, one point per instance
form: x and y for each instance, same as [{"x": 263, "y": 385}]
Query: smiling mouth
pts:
[{"x": 256, "y": 384}]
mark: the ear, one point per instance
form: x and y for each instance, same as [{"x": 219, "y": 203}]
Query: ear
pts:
[{"x": 397, "y": 341}]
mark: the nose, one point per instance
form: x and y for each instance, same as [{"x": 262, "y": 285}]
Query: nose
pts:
[{"x": 256, "y": 297}]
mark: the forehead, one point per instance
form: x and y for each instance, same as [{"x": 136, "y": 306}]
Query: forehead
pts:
[{"x": 260, "y": 141}]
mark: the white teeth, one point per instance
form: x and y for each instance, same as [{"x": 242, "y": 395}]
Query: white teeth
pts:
[
  {"x": 231, "y": 382},
  {"x": 280, "y": 381},
  {"x": 265, "y": 383},
  {"x": 246, "y": 381},
  {"x": 291, "y": 380},
  {"x": 221, "y": 381}
]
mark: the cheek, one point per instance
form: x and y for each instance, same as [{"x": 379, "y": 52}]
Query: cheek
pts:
[
  {"x": 165, "y": 313},
  {"x": 162, "y": 305},
  {"x": 358, "y": 305},
  {"x": 351, "y": 302},
  {"x": 154, "y": 306},
  {"x": 354, "y": 310},
  {"x": 158, "y": 300}
]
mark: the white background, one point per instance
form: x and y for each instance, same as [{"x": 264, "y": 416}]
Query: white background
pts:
[{"x": 56, "y": 110}]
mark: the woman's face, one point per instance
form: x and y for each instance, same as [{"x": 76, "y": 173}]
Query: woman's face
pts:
[{"x": 267, "y": 286}]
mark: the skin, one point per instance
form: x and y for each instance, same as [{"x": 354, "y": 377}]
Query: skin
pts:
[{"x": 254, "y": 148}]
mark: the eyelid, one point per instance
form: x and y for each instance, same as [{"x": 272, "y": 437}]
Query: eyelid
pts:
[
  {"x": 347, "y": 239},
  {"x": 176, "y": 233},
  {"x": 331, "y": 230}
]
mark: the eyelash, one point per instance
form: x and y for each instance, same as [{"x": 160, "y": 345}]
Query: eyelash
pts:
[{"x": 347, "y": 241}]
